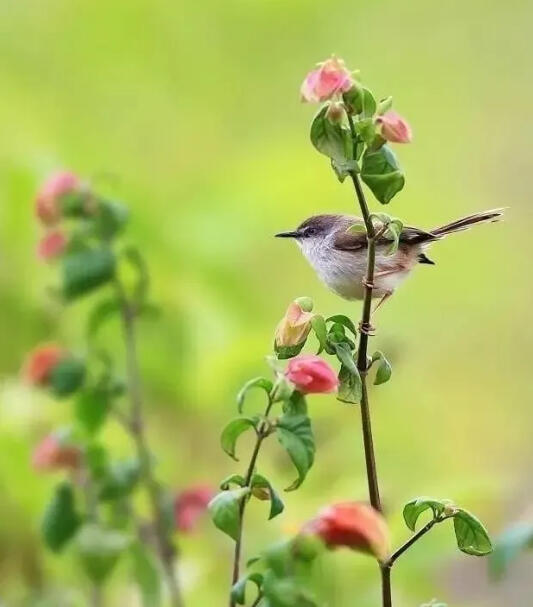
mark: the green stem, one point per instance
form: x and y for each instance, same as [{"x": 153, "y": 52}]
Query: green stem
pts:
[
  {"x": 261, "y": 435},
  {"x": 404, "y": 547},
  {"x": 137, "y": 430}
]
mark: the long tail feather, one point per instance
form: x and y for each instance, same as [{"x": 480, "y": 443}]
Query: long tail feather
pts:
[{"x": 465, "y": 222}]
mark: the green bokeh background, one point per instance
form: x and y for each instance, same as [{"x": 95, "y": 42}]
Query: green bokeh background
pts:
[{"x": 190, "y": 112}]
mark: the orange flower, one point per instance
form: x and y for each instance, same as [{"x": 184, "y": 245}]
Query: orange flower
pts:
[
  {"x": 52, "y": 454},
  {"x": 40, "y": 363},
  {"x": 51, "y": 245},
  {"x": 352, "y": 524}
]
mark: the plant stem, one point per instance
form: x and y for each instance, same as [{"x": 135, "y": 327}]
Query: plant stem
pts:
[
  {"x": 411, "y": 541},
  {"x": 362, "y": 364},
  {"x": 137, "y": 430},
  {"x": 261, "y": 435}
]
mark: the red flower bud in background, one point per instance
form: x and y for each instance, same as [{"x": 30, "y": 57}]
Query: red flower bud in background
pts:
[
  {"x": 41, "y": 362},
  {"x": 352, "y": 524},
  {"x": 311, "y": 375},
  {"x": 394, "y": 128},
  {"x": 189, "y": 506},
  {"x": 51, "y": 245},
  {"x": 329, "y": 79},
  {"x": 294, "y": 327},
  {"x": 48, "y": 201},
  {"x": 53, "y": 454}
]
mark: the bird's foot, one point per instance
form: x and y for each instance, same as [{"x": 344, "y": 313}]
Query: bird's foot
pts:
[
  {"x": 368, "y": 284},
  {"x": 367, "y": 329}
]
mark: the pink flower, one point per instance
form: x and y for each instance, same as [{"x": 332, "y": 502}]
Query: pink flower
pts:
[
  {"x": 48, "y": 207},
  {"x": 394, "y": 128},
  {"x": 52, "y": 454},
  {"x": 190, "y": 504},
  {"x": 329, "y": 79},
  {"x": 41, "y": 362},
  {"x": 352, "y": 524},
  {"x": 51, "y": 245},
  {"x": 311, "y": 374}
]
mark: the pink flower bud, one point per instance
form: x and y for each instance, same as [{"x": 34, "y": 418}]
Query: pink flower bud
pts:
[
  {"x": 294, "y": 327},
  {"x": 51, "y": 245},
  {"x": 335, "y": 112},
  {"x": 48, "y": 207},
  {"x": 329, "y": 79},
  {"x": 41, "y": 362},
  {"x": 190, "y": 504},
  {"x": 53, "y": 454},
  {"x": 394, "y": 128},
  {"x": 311, "y": 374},
  {"x": 352, "y": 524}
]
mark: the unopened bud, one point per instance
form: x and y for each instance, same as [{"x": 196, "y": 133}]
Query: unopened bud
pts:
[
  {"x": 295, "y": 326},
  {"x": 335, "y": 112}
]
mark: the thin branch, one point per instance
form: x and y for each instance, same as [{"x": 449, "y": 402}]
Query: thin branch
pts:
[{"x": 413, "y": 539}]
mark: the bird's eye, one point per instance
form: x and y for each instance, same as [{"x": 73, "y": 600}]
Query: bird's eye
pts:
[{"x": 310, "y": 231}]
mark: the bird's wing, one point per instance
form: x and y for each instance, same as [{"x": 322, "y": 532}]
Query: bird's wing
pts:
[{"x": 350, "y": 241}]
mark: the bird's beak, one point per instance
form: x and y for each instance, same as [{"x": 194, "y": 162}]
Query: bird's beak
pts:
[{"x": 294, "y": 234}]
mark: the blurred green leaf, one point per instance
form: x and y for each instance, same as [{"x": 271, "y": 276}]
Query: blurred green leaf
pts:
[
  {"x": 110, "y": 218},
  {"x": 141, "y": 278},
  {"x": 61, "y": 520},
  {"x": 120, "y": 480},
  {"x": 67, "y": 376},
  {"x": 102, "y": 312},
  {"x": 508, "y": 546},
  {"x": 233, "y": 479},
  {"x": 225, "y": 510},
  {"x": 91, "y": 409},
  {"x": 276, "y": 503},
  {"x": 86, "y": 270},
  {"x": 99, "y": 549},
  {"x": 146, "y": 574},
  {"x": 382, "y": 174},
  {"x": 233, "y": 430},
  {"x": 296, "y": 437},
  {"x": 384, "y": 371},
  {"x": 238, "y": 592},
  {"x": 472, "y": 537},
  {"x": 258, "y": 382}
]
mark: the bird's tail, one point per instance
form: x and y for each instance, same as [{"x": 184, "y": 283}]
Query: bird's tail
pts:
[{"x": 465, "y": 222}]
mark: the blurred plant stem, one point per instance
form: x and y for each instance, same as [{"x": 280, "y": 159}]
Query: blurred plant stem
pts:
[
  {"x": 262, "y": 433},
  {"x": 136, "y": 426},
  {"x": 362, "y": 362},
  {"x": 91, "y": 501}
]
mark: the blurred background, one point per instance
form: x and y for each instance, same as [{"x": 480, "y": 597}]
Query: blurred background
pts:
[{"x": 190, "y": 112}]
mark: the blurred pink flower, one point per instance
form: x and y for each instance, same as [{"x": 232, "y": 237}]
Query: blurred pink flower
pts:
[
  {"x": 394, "y": 128},
  {"x": 330, "y": 78},
  {"x": 51, "y": 245},
  {"x": 311, "y": 374},
  {"x": 40, "y": 363},
  {"x": 51, "y": 454},
  {"x": 47, "y": 203},
  {"x": 190, "y": 504}
]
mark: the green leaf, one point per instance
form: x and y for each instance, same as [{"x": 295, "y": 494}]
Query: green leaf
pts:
[
  {"x": 296, "y": 437},
  {"x": 366, "y": 130},
  {"x": 295, "y": 405},
  {"x": 102, "y": 312},
  {"x": 120, "y": 480},
  {"x": 110, "y": 219},
  {"x": 225, "y": 510},
  {"x": 472, "y": 537},
  {"x": 318, "y": 324},
  {"x": 233, "y": 479},
  {"x": 276, "y": 503},
  {"x": 99, "y": 549},
  {"x": 382, "y": 174},
  {"x": 393, "y": 232},
  {"x": 67, "y": 376},
  {"x": 96, "y": 458},
  {"x": 508, "y": 546},
  {"x": 334, "y": 141},
  {"x": 233, "y": 430},
  {"x": 413, "y": 509},
  {"x": 345, "y": 356},
  {"x": 141, "y": 278},
  {"x": 384, "y": 371},
  {"x": 61, "y": 520},
  {"x": 384, "y": 106},
  {"x": 258, "y": 382},
  {"x": 344, "y": 321},
  {"x": 285, "y": 352},
  {"x": 360, "y": 101},
  {"x": 146, "y": 575},
  {"x": 350, "y": 386},
  {"x": 238, "y": 591},
  {"x": 91, "y": 409},
  {"x": 86, "y": 270}
]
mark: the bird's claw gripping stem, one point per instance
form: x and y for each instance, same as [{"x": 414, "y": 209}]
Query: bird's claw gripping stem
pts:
[{"x": 367, "y": 329}]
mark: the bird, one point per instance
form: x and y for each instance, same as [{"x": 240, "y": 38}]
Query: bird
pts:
[{"x": 339, "y": 255}]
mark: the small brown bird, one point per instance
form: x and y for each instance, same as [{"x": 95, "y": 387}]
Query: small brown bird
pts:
[{"x": 339, "y": 255}]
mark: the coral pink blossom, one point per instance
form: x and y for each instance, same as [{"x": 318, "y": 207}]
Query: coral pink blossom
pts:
[
  {"x": 48, "y": 207},
  {"x": 190, "y": 504},
  {"x": 329, "y": 79},
  {"x": 294, "y": 327},
  {"x": 40, "y": 363},
  {"x": 51, "y": 454},
  {"x": 394, "y": 128},
  {"x": 352, "y": 524},
  {"x": 311, "y": 375},
  {"x": 51, "y": 245}
]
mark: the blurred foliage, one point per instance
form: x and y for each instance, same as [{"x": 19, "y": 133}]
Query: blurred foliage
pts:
[{"x": 190, "y": 112}]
